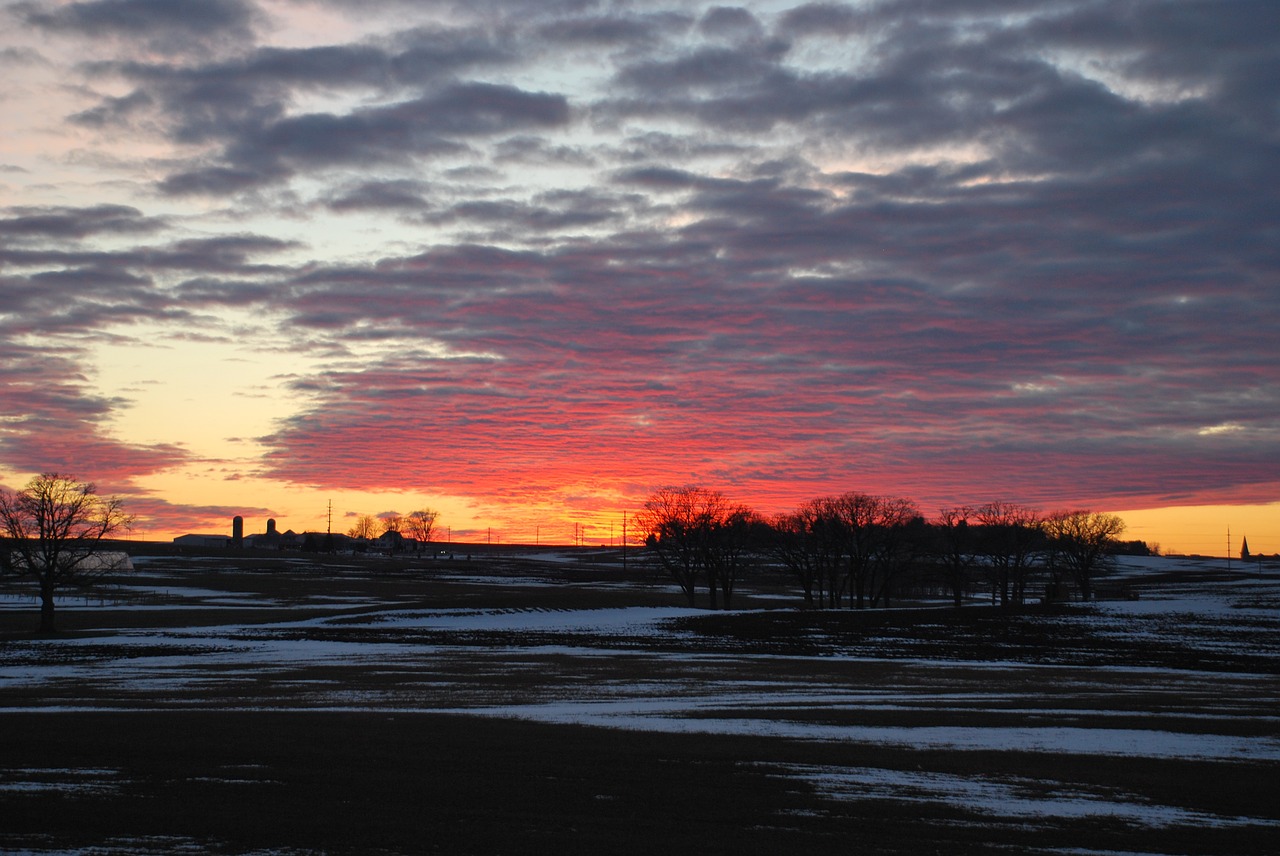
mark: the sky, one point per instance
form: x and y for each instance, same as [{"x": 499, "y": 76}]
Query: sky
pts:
[{"x": 524, "y": 263}]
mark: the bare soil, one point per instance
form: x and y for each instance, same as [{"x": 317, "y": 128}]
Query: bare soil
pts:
[{"x": 139, "y": 731}]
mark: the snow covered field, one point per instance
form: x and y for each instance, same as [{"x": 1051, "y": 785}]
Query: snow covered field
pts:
[{"x": 1188, "y": 672}]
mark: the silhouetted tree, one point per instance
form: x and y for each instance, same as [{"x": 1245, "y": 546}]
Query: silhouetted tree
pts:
[
  {"x": 697, "y": 532},
  {"x": 871, "y": 531},
  {"x": 365, "y": 527},
  {"x": 1142, "y": 548},
  {"x": 1081, "y": 543},
  {"x": 855, "y": 543},
  {"x": 1011, "y": 540},
  {"x": 675, "y": 521},
  {"x": 54, "y": 528},
  {"x": 421, "y": 525},
  {"x": 391, "y": 522},
  {"x": 819, "y": 538},
  {"x": 955, "y": 547},
  {"x": 901, "y": 539},
  {"x": 792, "y": 545},
  {"x": 849, "y": 520},
  {"x": 734, "y": 538}
]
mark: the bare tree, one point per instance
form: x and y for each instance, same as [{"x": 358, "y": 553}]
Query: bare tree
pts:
[
  {"x": 899, "y": 540},
  {"x": 853, "y": 542},
  {"x": 875, "y": 542},
  {"x": 54, "y": 528},
  {"x": 831, "y": 540},
  {"x": 421, "y": 525},
  {"x": 792, "y": 544},
  {"x": 1011, "y": 540},
  {"x": 955, "y": 546},
  {"x": 365, "y": 527},
  {"x": 695, "y": 532},
  {"x": 675, "y": 521},
  {"x": 733, "y": 540},
  {"x": 1081, "y": 542},
  {"x": 390, "y": 522}
]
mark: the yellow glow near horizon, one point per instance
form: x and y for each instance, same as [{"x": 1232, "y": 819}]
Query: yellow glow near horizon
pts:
[
  {"x": 1191, "y": 530},
  {"x": 212, "y": 397},
  {"x": 1203, "y": 529},
  {"x": 301, "y": 508}
]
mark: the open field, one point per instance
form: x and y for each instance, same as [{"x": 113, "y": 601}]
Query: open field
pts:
[{"x": 551, "y": 702}]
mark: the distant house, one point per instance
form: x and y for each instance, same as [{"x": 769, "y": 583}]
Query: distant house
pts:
[{"x": 391, "y": 542}]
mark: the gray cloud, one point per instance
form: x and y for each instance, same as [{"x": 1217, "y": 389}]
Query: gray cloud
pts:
[
  {"x": 730, "y": 22},
  {"x": 389, "y": 195},
  {"x": 394, "y": 133},
  {"x": 831, "y": 239},
  {"x": 615, "y": 30},
  {"x": 821, "y": 19},
  {"x": 25, "y": 223},
  {"x": 163, "y": 26}
]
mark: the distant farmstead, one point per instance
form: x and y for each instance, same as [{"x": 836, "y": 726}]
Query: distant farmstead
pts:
[{"x": 272, "y": 539}]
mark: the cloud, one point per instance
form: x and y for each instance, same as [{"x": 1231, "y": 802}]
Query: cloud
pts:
[
  {"x": 392, "y": 195},
  {"x": 55, "y": 286},
  {"x": 562, "y": 255},
  {"x": 831, "y": 20},
  {"x": 547, "y": 212},
  {"x": 395, "y": 133},
  {"x": 731, "y": 68},
  {"x": 634, "y": 31},
  {"x": 156, "y": 514},
  {"x": 26, "y": 223},
  {"x": 833, "y": 346},
  {"x": 163, "y": 26},
  {"x": 733, "y": 23}
]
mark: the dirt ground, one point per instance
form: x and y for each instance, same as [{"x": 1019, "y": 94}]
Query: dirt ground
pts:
[{"x": 254, "y": 705}]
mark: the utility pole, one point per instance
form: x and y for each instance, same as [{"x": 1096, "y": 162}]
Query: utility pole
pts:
[
  {"x": 328, "y": 526},
  {"x": 1228, "y": 548}
]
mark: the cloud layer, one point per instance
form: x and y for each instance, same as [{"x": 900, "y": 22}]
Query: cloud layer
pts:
[{"x": 559, "y": 256}]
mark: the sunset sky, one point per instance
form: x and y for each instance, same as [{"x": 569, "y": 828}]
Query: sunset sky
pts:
[{"x": 525, "y": 262}]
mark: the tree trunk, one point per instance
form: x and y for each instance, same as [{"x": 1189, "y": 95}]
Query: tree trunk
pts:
[
  {"x": 46, "y": 609},
  {"x": 1086, "y": 586}
]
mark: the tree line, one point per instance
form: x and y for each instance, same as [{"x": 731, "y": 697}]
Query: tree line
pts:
[
  {"x": 859, "y": 550},
  {"x": 418, "y": 525},
  {"x": 854, "y": 549}
]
